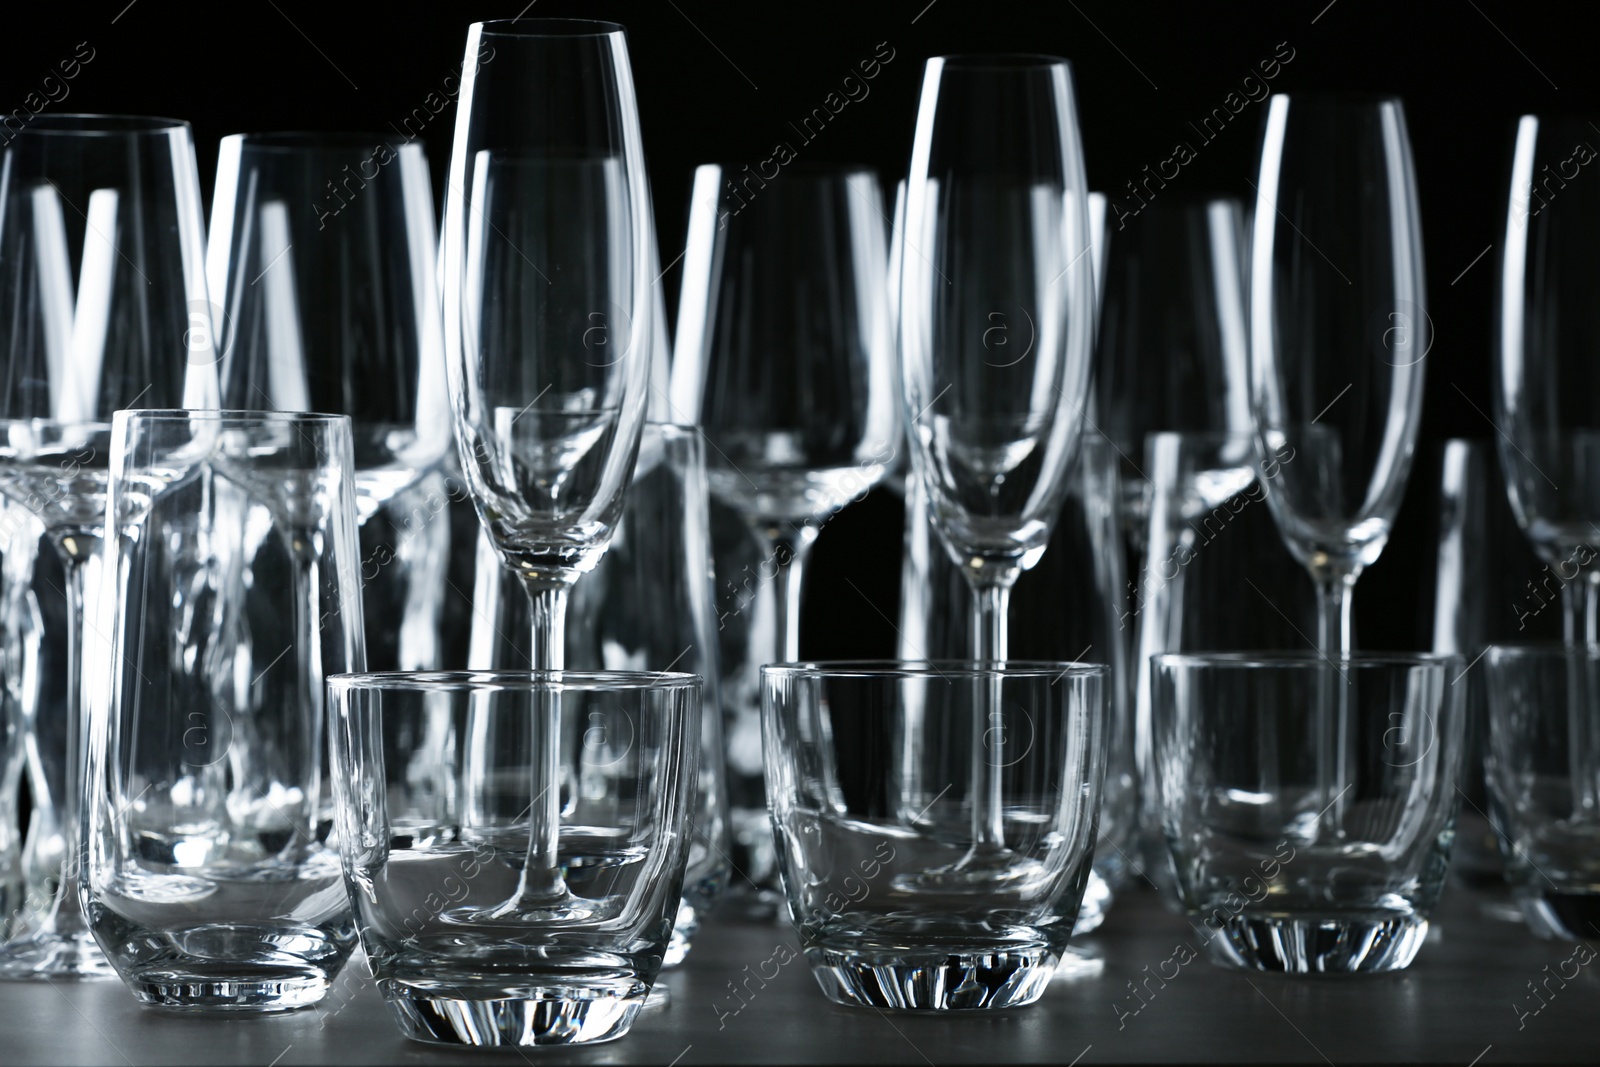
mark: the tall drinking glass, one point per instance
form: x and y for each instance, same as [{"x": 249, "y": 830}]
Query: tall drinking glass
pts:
[
  {"x": 1338, "y": 334},
  {"x": 230, "y": 588},
  {"x": 1545, "y": 377},
  {"x": 102, "y": 263},
  {"x": 547, "y": 315},
  {"x": 996, "y": 337}
]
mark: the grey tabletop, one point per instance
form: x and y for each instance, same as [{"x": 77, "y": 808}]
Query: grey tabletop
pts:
[{"x": 1482, "y": 991}]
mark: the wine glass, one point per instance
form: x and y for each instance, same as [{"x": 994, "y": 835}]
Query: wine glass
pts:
[
  {"x": 996, "y": 338},
  {"x": 783, "y": 359},
  {"x": 102, "y": 267},
  {"x": 1173, "y": 348},
  {"x": 1338, "y": 336},
  {"x": 547, "y": 323},
  {"x": 1547, "y": 335},
  {"x": 321, "y": 255}
]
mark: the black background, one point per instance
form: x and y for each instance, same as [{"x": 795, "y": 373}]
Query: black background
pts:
[{"x": 723, "y": 81}]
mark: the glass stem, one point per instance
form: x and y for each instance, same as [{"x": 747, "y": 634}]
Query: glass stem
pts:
[
  {"x": 788, "y": 548},
  {"x": 991, "y": 599},
  {"x": 1580, "y": 603},
  {"x": 1333, "y": 699},
  {"x": 80, "y": 554},
  {"x": 541, "y": 875}
]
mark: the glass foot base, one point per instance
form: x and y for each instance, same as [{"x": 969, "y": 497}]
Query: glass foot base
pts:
[
  {"x": 242, "y": 992},
  {"x": 50, "y": 957},
  {"x": 1315, "y": 945},
  {"x": 1565, "y": 916},
  {"x": 979, "y": 979},
  {"x": 553, "y": 1014}
]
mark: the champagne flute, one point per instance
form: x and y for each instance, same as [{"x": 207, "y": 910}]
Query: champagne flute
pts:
[
  {"x": 1547, "y": 333},
  {"x": 102, "y": 261},
  {"x": 547, "y": 323},
  {"x": 996, "y": 338},
  {"x": 1338, "y": 335}
]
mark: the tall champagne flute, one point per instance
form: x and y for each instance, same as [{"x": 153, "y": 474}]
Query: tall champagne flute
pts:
[
  {"x": 1545, "y": 388},
  {"x": 105, "y": 307},
  {"x": 783, "y": 358},
  {"x": 1338, "y": 335},
  {"x": 996, "y": 337},
  {"x": 547, "y": 322}
]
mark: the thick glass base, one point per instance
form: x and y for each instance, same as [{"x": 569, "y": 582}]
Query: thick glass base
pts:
[
  {"x": 232, "y": 989},
  {"x": 556, "y": 1013},
  {"x": 51, "y": 956},
  {"x": 1338, "y": 944},
  {"x": 979, "y": 978}
]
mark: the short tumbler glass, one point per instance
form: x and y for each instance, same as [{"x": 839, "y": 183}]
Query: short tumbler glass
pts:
[
  {"x": 870, "y": 780},
  {"x": 230, "y": 587},
  {"x": 434, "y": 851},
  {"x": 1544, "y": 728},
  {"x": 1269, "y": 881}
]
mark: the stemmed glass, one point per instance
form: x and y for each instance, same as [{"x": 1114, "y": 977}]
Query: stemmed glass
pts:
[
  {"x": 1547, "y": 338},
  {"x": 783, "y": 358},
  {"x": 102, "y": 270},
  {"x": 996, "y": 337},
  {"x": 322, "y": 257},
  {"x": 1338, "y": 334},
  {"x": 547, "y": 323}
]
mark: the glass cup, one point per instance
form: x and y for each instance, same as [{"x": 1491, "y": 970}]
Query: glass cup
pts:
[
  {"x": 1537, "y": 749},
  {"x": 875, "y": 831},
  {"x": 435, "y": 855},
  {"x": 230, "y": 587},
  {"x": 1270, "y": 883}
]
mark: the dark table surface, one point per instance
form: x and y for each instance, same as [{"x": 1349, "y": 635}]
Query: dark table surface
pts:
[{"x": 1467, "y": 999}]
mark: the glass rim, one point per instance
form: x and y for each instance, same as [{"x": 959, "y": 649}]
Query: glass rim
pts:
[
  {"x": 95, "y": 124},
  {"x": 470, "y": 681},
  {"x": 558, "y": 27},
  {"x": 293, "y": 140},
  {"x": 126, "y": 415},
  {"x": 1282, "y": 660},
  {"x": 935, "y": 668},
  {"x": 1340, "y": 98},
  {"x": 1000, "y": 61},
  {"x": 1522, "y": 649}
]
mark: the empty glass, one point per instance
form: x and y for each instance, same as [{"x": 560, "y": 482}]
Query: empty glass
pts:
[
  {"x": 231, "y": 587},
  {"x": 432, "y": 852},
  {"x": 873, "y": 784},
  {"x": 783, "y": 359},
  {"x": 1550, "y": 840},
  {"x": 102, "y": 260},
  {"x": 548, "y": 320},
  {"x": 322, "y": 257},
  {"x": 1265, "y": 884}
]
